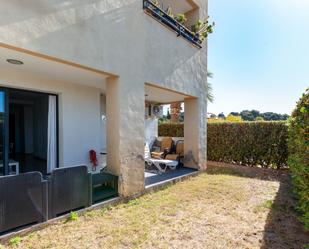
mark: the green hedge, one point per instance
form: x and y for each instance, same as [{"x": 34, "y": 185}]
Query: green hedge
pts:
[
  {"x": 170, "y": 130},
  {"x": 246, "y": 143},
  {"x": 299, "y": 154}
]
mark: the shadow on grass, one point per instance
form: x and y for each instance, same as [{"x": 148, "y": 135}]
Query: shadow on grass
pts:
[
  {"x": 249, "y": 172},
  {"x": 282, "y": 229}
]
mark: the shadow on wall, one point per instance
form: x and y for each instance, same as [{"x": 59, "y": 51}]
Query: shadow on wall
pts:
[
  {"x": 42, "y": 7},
  {"x": 282, "y": 228},
  {"x": 51, "y": 27},
  {"x": 51, "y": 17}
]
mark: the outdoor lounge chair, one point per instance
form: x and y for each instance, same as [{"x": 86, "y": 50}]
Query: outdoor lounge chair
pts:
[
  {"x": 160, "y": 164},
  {"x": 179, "y": 152},
  {"x": 164, "y": 148}
]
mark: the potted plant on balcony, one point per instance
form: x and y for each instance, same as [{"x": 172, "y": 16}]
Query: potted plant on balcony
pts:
[
  {"x": 201, "y": 29},
  {"x": 181, "y": 18},
  {"x": 158, "y": 10},
  {"x": 169, "y": 12},
  {"x": 156, "y": 3}
]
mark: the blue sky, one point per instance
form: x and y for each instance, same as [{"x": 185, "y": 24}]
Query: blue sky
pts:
[{"x": 259, "y": 54}]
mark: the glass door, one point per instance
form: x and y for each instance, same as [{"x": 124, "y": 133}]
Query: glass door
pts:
[{"x": 3, "y": 137}]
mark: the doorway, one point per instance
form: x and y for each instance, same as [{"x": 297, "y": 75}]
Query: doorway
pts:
[{"x": 28, "y": 132}]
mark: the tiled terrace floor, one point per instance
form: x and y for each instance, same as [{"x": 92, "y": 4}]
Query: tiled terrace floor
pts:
[{"x": 156, "y": 178}]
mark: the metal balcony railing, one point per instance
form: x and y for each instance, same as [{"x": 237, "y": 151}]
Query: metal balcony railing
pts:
[{"x": 162, "y": 17}]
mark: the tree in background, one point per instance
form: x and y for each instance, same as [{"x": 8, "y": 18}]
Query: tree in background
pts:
[
  {"x": 249, "y": 115},
  {"x": 259, "y": 119},
  {"x": 234, "y": 113},
  {"x": 232, "y": 118},
  {"x": 168, "y": 115},
  {"x": 221, "y": 115},
  {"x": 268, "y": 116},
  {"x": 255, "y": 115},
  {"x": 175, "y": 111},
  {"x": 181, "y": 117}
]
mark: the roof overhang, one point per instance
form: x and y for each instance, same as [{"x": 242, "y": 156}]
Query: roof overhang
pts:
[
  {"x": 159, "y": 95},
  {"x": 50, "y": 67}
]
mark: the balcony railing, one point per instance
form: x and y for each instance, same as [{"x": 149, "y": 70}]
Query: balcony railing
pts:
[{"x": 162, "y": 17}]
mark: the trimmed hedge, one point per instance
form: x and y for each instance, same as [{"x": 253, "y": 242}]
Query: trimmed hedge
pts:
[
  {"x": 299, "y": 155},
  {"x": 170, "y": 130},
  {"x": 246, "y": 143}
]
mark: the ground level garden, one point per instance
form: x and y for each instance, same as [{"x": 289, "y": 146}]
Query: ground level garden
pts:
[
  {"x": 226, "y": 207},
  {"x": 276, "y": 145},
  {"x": 245, "y": 199}
]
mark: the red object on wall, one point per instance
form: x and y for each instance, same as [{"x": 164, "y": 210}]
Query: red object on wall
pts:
[{"x": 93, "y": 159}]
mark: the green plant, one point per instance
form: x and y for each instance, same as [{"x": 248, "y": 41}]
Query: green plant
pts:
[
  {"x": 259, "y": 119},
  {"x": 262, "y": 144},
  {"x": 133, "y": 202},
  {"x": 171, "y": 130},
  {"x": 255, "y": 115},
  {"x": 73, "y": 216},
  {"x": 202, "y": 29},
  {"x": 232, "y": 118},
  {"x": 181, "y": 18},
  {"x": 169, "y": 12},
  {"x": 299, "y": 155},
  {"x": 105, "y": 209},
  {"x": 268, "y": 204},
  {"x": 15, "y": 241},
  {"x": 156, "y": 3}
]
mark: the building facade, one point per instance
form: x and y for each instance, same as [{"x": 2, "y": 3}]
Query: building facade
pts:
[{"x": 97, "y": 62}]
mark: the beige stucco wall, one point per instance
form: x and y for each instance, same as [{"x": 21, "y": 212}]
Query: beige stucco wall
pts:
[
  {"x": 75, "y": 137},
  {"x": 115, "y": 36}
]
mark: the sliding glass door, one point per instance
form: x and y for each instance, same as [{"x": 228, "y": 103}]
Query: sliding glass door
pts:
[{"x": 28, "y": 132}]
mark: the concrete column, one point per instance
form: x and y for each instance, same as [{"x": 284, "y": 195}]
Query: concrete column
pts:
[
  {"x": 195, "y": 134},
  {"x": 125, "y": 101}
]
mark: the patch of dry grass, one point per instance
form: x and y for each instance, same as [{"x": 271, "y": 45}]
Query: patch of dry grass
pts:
[{"x": 218, "y": 210}]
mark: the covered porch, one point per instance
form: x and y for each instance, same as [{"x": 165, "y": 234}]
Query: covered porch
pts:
[
  {"x": 53, "y": 112},
  {"x": 168, "y": 158},
  {"x": 78, "y": 109},
  {"x": 52, "y": 115}
]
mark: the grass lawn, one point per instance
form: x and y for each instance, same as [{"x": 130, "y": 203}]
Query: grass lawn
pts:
[{"x": 224, "y": 208}]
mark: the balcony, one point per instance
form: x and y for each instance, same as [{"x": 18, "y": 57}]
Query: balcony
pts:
[{"x": 168, "y": 21}]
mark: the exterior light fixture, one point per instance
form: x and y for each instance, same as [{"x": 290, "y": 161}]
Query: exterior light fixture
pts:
[{"x": 14, "y": 62}]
